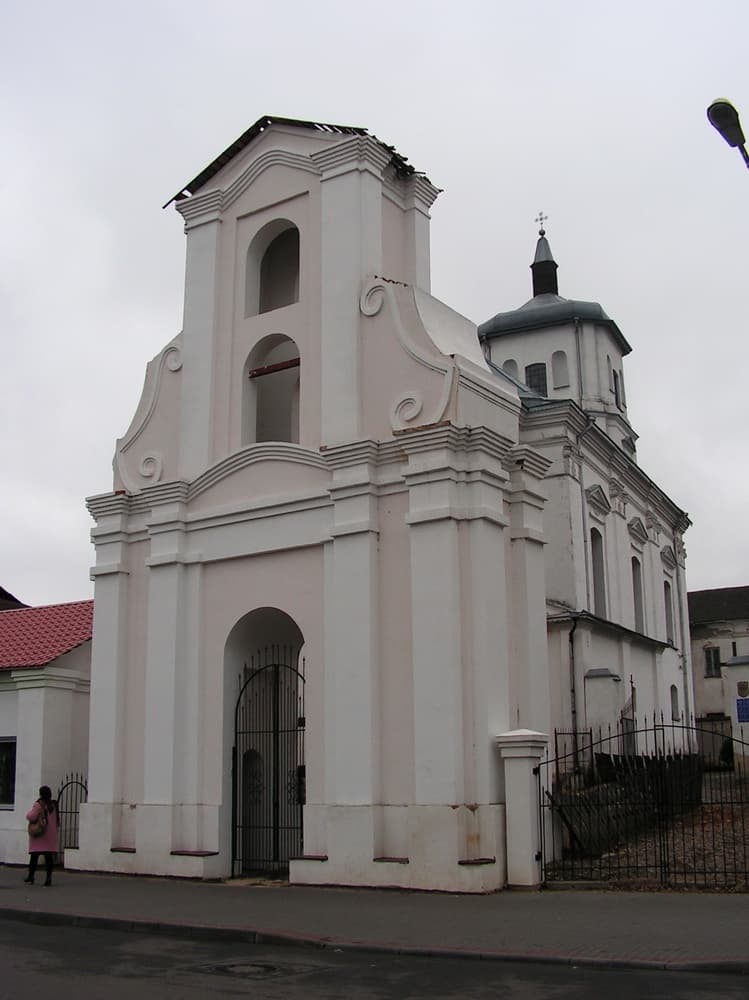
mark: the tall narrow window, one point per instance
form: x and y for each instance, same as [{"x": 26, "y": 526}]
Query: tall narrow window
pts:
[
  {"x": 7, "y": 771},
  {"x": 271, "y": 392},
  {"x": 617, "y": 390},
  {"x": 637, "y": 595},
  {"x": 675, "y": 712},
  {"x": 599, "y": 571},
  {"x": 669, "y": 611},
  {"x": 560, "y": 375},
  {"x": 535, "y": 378},
  {"x": 712, "y": 661}
]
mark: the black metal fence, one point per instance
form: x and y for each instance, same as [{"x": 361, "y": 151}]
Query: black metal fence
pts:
[
  {"x": 640, "y": 806},
  {"x": 268, "y": 771},
  {"x": 72, "y": 792}
]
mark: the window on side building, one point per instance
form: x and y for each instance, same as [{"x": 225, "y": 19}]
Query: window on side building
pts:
[
  {"x": 712, "y": 661},
  {"x": 535, "y": 378},
  {"x": 599, "y": 572},
  {"x": 669, "y": 606},
  {"x": 7, "y": 771},
  {"x": 639, "y": 603}
]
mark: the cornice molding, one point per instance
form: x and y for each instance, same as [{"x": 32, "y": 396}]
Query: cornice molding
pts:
[
  {"x": 208, "y": 206},
  {"x": 522, "y": 458},
  {"x": 414, "y": 193},
  {"x": 619, "y": 496},
  {"x": 201, "y": 208},
  {"x": 360, "y": 152},
  {"x": 613, "y": 460},
  {"x": 271, "y": 158},
  {"x": 108, "y": 504},
  {"x": 446, "y": 436},
  {"x": 654, "y": 526}
]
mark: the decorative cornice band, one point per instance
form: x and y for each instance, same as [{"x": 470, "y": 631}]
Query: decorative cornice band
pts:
[
  {"x": 341, "y": 456},
  {"x": 201, "y": 208},
  {"x": 523, "y": 458},
  {"x": 614, "y": 461},
  {"x": 208, "y": 206},
  {"x": 422, "y": 190},
  {"x": 108, "y": 569},
  {"x": 360, "y": 152},
  {"x": 108, "y": 504},
  {"x": 271, "y": 158},
  {"x": 429, "y": 515},
  {"x": 446, "y": 435}
]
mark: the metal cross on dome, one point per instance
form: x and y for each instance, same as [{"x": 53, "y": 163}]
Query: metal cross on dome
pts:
[{"x": 540, "y": 219}]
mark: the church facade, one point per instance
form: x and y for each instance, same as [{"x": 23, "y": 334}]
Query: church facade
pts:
[{"x": 347, "y": 548}]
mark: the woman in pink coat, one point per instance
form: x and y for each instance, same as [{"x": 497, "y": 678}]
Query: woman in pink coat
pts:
[{"x": 46, "y": 843}]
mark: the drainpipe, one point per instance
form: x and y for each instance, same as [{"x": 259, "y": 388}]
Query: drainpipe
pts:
[
  {"x": 573, "y": 691},
  {"x": 579, "y": 355},
  {"x": 584, "y": 509}
]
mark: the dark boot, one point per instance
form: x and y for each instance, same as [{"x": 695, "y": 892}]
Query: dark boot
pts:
[
  {"x": 33, "y": 862},
  {"x": 48, "y": 880}
]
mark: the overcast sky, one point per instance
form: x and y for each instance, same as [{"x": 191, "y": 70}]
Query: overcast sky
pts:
[{"x": 593, "y": 112}]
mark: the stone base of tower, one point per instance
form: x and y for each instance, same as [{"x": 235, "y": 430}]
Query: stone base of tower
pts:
[
  {"x": 140, "y": 840},
  {"x": 439, "y": 847}
]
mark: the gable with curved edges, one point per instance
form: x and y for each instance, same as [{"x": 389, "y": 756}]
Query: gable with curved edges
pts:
[{"x": 148, "y": 451}]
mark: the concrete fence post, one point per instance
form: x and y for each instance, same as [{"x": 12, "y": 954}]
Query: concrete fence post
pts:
[{"x": 521, "y": 750}]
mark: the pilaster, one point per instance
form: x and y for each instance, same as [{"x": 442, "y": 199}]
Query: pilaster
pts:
[
  {"x": 109, "y": 648},
  {"x": 531, "y": 697},
  {"x": 351, "y": 205},
  {"x": 352, "y": 711},
  {"x": 202, "y": 216}
]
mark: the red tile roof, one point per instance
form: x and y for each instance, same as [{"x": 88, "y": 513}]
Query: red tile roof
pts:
[{"x": 33, "y": 637}]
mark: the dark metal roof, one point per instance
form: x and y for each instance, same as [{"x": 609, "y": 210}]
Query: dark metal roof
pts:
[
  {"x": 549, "y": 310},
  {"x": 402, "y": 166},
  {"x": 720, "y": 605}
]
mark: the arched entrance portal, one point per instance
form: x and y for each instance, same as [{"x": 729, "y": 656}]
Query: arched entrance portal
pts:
[{"x": 268, "y": 773}]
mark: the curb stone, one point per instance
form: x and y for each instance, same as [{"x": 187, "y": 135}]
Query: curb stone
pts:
[{"x": 290, "y": 939}]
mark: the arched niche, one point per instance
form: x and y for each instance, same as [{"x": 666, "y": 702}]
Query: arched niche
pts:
[
  {"x": 560, "y": 375},
  {"x": 272, "y": 268},
  {"x": 270, "y": 396}
]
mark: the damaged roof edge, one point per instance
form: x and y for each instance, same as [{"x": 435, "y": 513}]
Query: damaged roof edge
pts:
[{"x": 401, "y": 164}]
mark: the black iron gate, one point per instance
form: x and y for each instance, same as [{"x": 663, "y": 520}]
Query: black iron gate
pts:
[
  {"x": 268, "y": 773},
  {"x": 641, "y": 807},
  {"x": 72, "y": 792}
]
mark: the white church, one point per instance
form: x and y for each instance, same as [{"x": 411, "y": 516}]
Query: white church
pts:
[{"x": 361, "y": 557}]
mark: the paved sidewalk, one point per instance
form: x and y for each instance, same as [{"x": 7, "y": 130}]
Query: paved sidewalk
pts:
[{"x": 667, "y": 930}]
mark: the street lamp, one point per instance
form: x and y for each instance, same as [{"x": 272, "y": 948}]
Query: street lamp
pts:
[{"x": 724, "y": 117}]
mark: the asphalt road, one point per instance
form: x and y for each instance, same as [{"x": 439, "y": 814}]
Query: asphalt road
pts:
[{"x": 70, "y": 963}]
